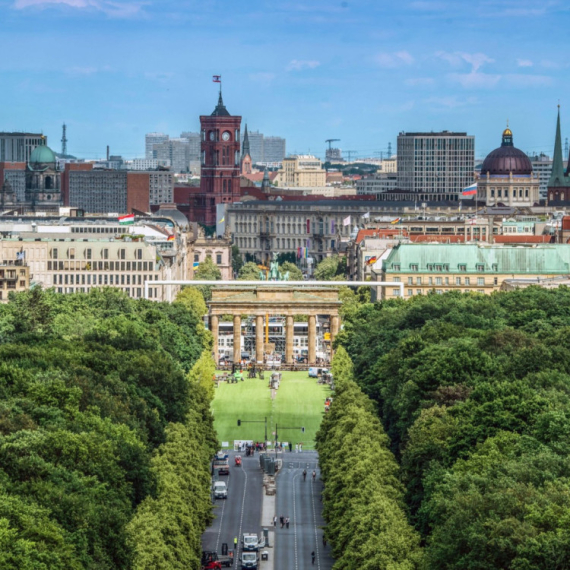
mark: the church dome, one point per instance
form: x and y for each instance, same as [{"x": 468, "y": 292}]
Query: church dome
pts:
[
  {"x": 42, "y": 155},
  {"x": 507, "y": 159}
]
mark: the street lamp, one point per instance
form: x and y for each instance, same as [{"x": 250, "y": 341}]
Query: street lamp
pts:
[{"x": 239, "y": 422}]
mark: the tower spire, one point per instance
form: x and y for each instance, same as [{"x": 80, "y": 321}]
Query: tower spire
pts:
[
  {"x": 245, "y": 145},
  {"x": 557, "y": 176}
]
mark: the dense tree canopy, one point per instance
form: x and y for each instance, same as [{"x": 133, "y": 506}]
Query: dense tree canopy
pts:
[
  {"x": 474, "y": 393},
  {"x": 91, "y": 385},
  {"x": 331, "y": 268}
]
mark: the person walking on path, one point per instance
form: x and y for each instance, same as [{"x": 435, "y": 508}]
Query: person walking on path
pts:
[
  {"x": 287, "y": 520},
  {"x": 275, "y": 521},
  {"x": 304, "y": 474},
  {"x": 282, "y": 520},
  {"x": 324, "y": 541},
  {"x": 235, "y": 543},
  {"x": 314, "y": 475},
  {"x": 296, "y": 448},
  {"x": 313, "y": 558}
]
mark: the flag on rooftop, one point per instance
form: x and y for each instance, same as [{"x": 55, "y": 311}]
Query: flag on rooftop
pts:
[
  {"x": 396, "y": 221},
  {"x": 346, "y": 221},
  {"x": 170, "y": 238},
  {"x": 367, "y": 215},
  {"x": 372, "y": 260},
  {"x": 470, "y": 190},
  {"x": 217, "y": 78},
  {"x": 128, "y": 219}
]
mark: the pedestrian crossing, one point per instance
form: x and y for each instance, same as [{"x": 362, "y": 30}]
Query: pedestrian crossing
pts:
[{"x": 301, "y": 465}]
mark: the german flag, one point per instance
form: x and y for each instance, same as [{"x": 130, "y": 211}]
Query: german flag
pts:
[
  {"x": 372, "y": 260},
  {"x": 396, "y": 221}
]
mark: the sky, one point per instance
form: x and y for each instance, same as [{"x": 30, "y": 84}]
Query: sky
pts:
[{"x": 356, "y": 70}]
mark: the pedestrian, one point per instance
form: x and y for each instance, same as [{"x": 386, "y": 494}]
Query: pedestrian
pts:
[
  {"x": 287, "y": 520},
  {"x": 314, "y": 475},
  {"x": 296, "y": 448},
  {"x": 282, "y": 520},
  {"x": 313, "y": 558},
  {"x": 275, "y": 521},
  {"x": 300, "y": 447},
  {"x": 324, "y": 540},
  {"x": 304, "y": 474},
  {"x": 235, "y": 543},
  {"x": 290, "y": 447}
]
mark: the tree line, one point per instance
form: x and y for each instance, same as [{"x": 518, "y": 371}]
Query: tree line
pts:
[
  {"x": 104, "y": 421},
  {"x": 473, "y": 392}
]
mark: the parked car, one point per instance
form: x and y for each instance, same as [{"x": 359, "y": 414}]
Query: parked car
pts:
[
  {"x": 220, "y": 490},
  {"x": 249, "y": 560},
  {"x": 250, "y": 542},
  {"x": 315, "y": 371}
]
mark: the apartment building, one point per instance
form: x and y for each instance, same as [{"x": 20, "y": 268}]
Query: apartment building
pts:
[
  {"x": 300, "y": 171},
  {"x": 14, "y": 277},
  {"x": 424, "y": 268}
]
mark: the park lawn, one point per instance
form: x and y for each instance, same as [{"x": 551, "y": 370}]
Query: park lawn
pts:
[{"x": 299, "y": 403}]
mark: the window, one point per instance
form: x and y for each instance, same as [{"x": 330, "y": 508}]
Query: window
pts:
[
  {"x": 480, "y": 267},
  {"x": 71, "y": 253},
  {"x": 410, "y": 280},
  {"x": 480, "y": 281},
  {"x": 418, "y": 280},
  {"x": 462, "y": 267},
  {"x": 438, "y": 281},
  {"x": 430, "y": 280},
  {"x": 438, "y": 267},
  {"x": 54, "y": 253},
  {"x": 396, "y": 292},
  {"x": 396, "y": 267},
  {"x": 458, "y": 280},
  {"x": 122, "y": 254},
  {"x": 105, "y": 254},
  {"x": 414, "y": 267},
  {"x": 196, "y": 258},
  {"x": 219, "y": 258},
  {"x": 138, "y": 253},
  {"x": 496, "y": 281},
  {"x": 447, "y": 281},
  {"x": 396, "y": 279},
  {"x": 418, "y": 291},
  {"x": 88, "y": 254},
  {"x": 410, "y": 292},
  {"x": 467, "y": 281}
]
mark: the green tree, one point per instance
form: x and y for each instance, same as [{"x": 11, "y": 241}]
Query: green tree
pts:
[
  {"x": 295, "y": 274},
  {"x": 193, "y": 300},
  {"x": 249, "y": 272},
  {"x": 207, "y": 271},
  {"x": 331, "y": 268},
  {"x": 237, "y": 259}
]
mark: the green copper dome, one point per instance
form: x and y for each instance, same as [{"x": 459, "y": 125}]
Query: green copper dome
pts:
[{"x": 42, "y": 155}]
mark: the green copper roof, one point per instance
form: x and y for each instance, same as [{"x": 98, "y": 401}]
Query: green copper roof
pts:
[
  {"x": 557, "y": 179},
  {"x": 42, "y": 154},
  {"x": 515, "y": 260}
]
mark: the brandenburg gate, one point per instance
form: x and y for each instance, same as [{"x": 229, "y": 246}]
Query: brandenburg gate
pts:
[{"x": 260, "y": 301}]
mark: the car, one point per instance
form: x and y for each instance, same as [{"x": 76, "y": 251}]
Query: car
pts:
[
  {"x": 250, "y": 542},
  {"x": 220, "y": 490},
  {"x": 249, "y": 560},
  {"x": 315, "y": 372}
]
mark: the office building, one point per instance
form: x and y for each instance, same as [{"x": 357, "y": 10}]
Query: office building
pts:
[
  {"x": 299, "y": 171},
  {"x": 146, "y": 164},
  {"x": 542, "y": 167},
  {"x": 274, "y": 150},
  {"x": 435, "y": 166},
  {"x": 176, "y": 152},
  {"x": 376, "y": 184},
  {"x": 439, "y": 268},
  {"x": 193, "y": 145},
  {"x": 18, "y": 147},
  {"x": 150, "y": 140}
]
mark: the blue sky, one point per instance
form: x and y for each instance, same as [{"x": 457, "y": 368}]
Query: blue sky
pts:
[{"x": 357, "y": 70}]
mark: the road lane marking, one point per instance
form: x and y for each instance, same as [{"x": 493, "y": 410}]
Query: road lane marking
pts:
[
  {"x": 222, "y": 515},
  {"x": 315, "y": 525},
  {"x": 241, "y": 517},
  {"x": 295, "y": 521}
]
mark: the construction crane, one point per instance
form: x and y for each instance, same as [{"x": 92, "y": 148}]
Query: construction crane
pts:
[{"x": 331, "y": 141}]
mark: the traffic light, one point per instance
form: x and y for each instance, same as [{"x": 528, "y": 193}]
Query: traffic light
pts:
[
  {"x": 303, "y": 429},
  {"x": 239, "y": 423}
]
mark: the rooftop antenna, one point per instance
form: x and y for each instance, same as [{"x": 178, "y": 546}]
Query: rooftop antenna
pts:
[
  {"x": 389, "y": 150},
  {"x": 64, "y": 140}
]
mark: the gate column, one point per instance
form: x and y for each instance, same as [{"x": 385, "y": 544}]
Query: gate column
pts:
[
  {"x": 289, "y": 339},
  {"x": 259, "y": 338},
  {"x": 214, "y": 329},
  {"x": 237, "y": 339},
  {"x": 312, "y": 339}
]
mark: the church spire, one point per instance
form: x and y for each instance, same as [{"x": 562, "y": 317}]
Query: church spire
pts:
[
  {"x": 220, "y": 110},
  {"x": 557, "y": 176},
  {"x": 245, "y": 145}
]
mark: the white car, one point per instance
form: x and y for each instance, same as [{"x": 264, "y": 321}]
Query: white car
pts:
[{"x": 220, "y": 490}]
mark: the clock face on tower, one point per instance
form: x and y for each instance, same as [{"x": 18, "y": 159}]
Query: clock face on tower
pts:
[
  {"x": 226, "y": 136},
  {"x": 212, "y": 135}
]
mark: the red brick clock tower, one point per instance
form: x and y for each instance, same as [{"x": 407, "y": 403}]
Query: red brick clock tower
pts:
[{"x": 220, "y": 146}]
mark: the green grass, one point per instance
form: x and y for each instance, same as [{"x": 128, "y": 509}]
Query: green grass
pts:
[{"x": 299, "y": 402}]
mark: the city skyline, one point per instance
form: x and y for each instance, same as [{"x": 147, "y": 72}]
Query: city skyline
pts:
[{"x": 358, "y": 71}]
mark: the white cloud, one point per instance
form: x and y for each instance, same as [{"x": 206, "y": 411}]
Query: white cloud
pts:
[
  {"x": 420, "y": 81},
  {"x": 523, "y": 80},
  {"x": 475, "y": 80},
  {"x": 524, "y": 62},
  {"x": 117, "y": 8},
  {"x": 451, "y": 102},
  {"x": 300, "y": 64},
  {"x": 262, "y": 77},
  {"x": 458, "y": 58},
  {"x": 392, "y": 60}
]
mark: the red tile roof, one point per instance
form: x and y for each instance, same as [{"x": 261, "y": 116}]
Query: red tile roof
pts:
[
  {"x": 424, "y": 238},
  {"x": 521, "y": 239},
  {"x": 381, "y": 234}
]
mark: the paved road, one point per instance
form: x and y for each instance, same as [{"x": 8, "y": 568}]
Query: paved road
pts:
[
  {"x": 241, "y": 511},
  {"x": 300, "y": 501}
]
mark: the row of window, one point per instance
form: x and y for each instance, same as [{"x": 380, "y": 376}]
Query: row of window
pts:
[
  {"x": 459, "y": 281},
  {"x": 100, "y": 279},
  {"x": 72, "y": 252},
  {"x": 100, "y": 266},
  {"x": 504, "y": 193},
  {"x": 396, "y": 292},
  {"x": 131, "y": 292},
  {"x": 479, "y": 267}
]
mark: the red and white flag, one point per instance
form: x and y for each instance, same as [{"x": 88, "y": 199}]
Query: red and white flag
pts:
[{"x": 217, "y": 78}]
